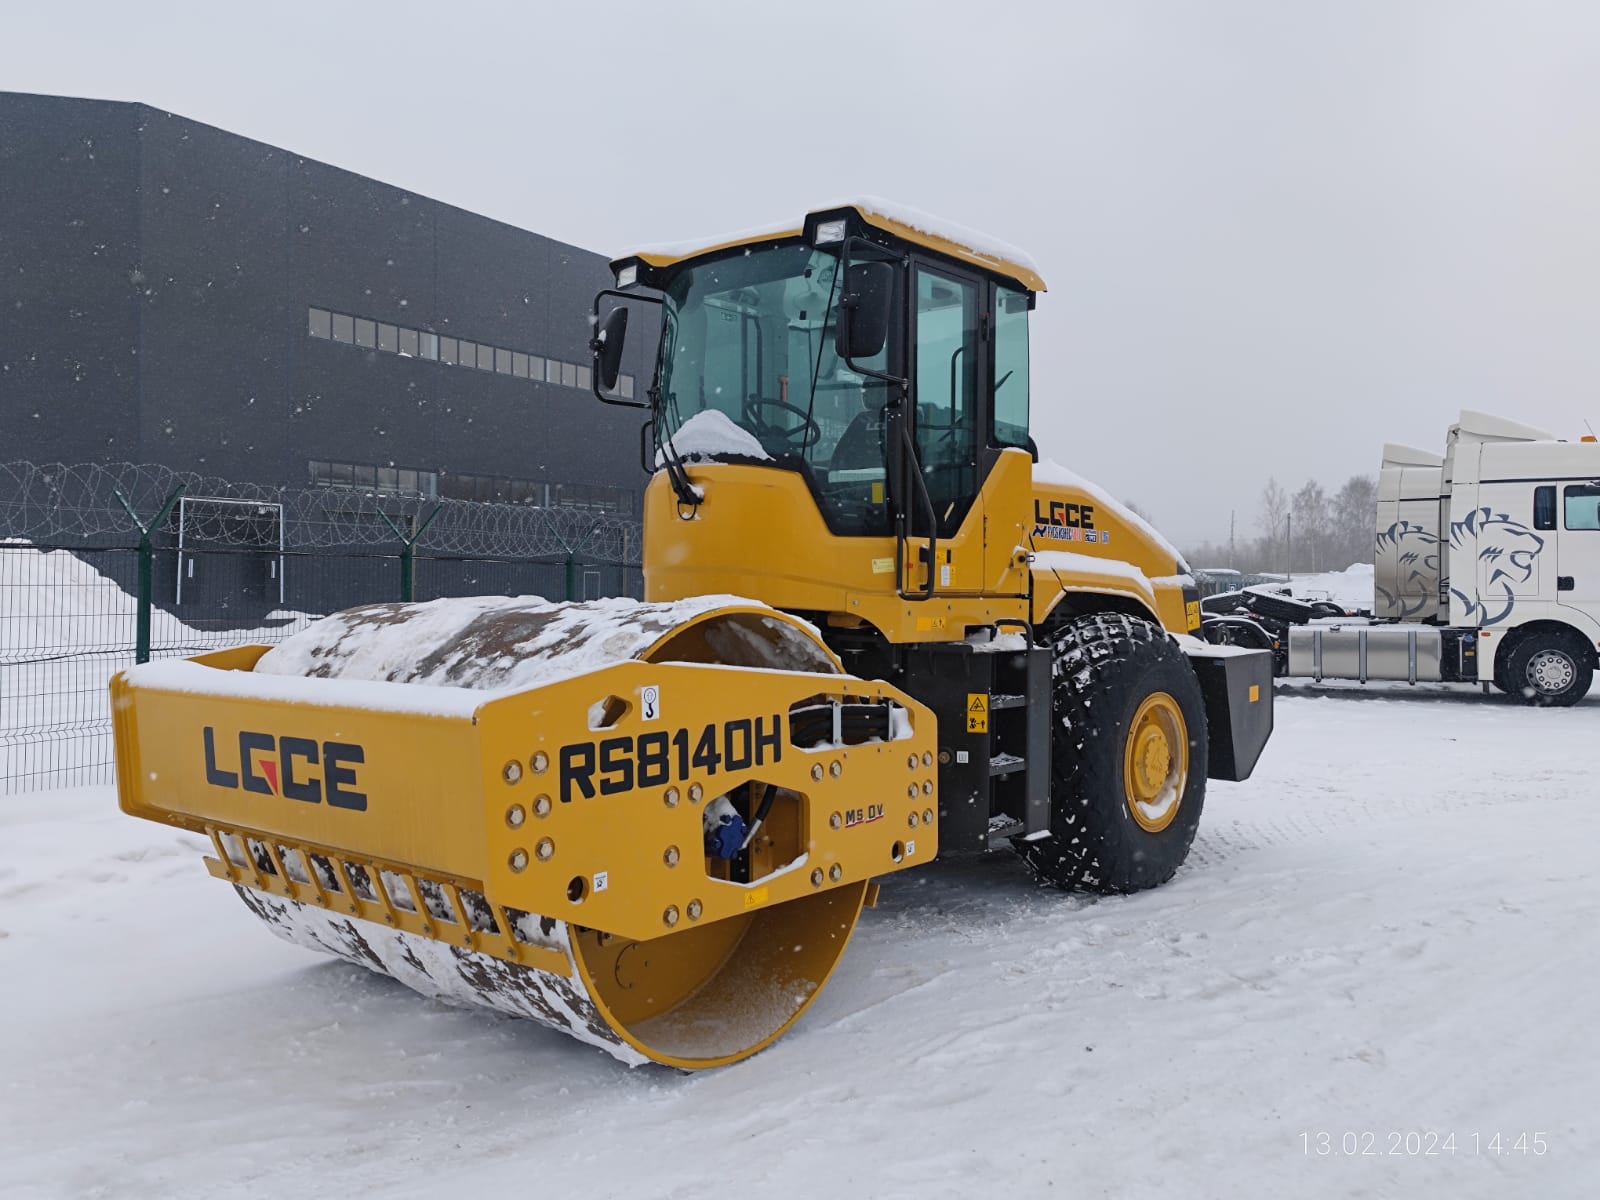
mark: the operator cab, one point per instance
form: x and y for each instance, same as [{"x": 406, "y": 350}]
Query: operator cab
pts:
[{"x": 885, "y": 363}]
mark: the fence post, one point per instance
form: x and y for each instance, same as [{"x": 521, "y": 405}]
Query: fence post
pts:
[
  {"x": 572, "y": 577},
  {"x": 147, "y": 558},
  {"x": 408, "y": 551}
]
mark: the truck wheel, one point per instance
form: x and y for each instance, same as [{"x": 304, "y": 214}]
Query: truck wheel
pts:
[
  {"x": 1549, "y": 669},
  {"x": 1128, "y": 758}
]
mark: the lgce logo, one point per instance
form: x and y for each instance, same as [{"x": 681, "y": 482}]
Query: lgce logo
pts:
[{"x": 297, "y": 768}]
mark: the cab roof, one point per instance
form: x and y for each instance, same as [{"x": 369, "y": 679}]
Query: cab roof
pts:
[{"x": 898, "y": 220}]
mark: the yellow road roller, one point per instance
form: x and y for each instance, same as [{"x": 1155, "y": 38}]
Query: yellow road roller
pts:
[{"x": 876, "y": 630}]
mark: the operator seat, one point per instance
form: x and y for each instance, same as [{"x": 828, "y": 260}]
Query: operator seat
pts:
[{"x": 862, "y": 443}]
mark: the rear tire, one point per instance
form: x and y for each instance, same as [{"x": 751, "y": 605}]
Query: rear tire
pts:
[
  {"x": 1130, "y": 735},
  {"x": 1549, "y": 670}
]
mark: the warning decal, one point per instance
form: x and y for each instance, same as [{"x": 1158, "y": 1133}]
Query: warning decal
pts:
[{"x": 977, "y": 712}]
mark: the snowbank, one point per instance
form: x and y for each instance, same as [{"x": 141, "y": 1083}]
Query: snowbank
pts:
[
  {"x": 1349, "y": 588},
  {"x": 65, "y": 629},
  {"x": 57, "y": 602}
]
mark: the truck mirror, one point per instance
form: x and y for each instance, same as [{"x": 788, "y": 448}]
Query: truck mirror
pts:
[
  {"x": 607, "y": 347},
  {"x": 864, "y": 310}
]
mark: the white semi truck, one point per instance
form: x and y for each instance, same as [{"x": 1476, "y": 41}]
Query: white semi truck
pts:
[{"x": 1487, "y": 569}]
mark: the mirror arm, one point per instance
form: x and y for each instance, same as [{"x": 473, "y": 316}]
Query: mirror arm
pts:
[
  {"x": 848, "y": 301},
  {"x": 595, "y": 345}
]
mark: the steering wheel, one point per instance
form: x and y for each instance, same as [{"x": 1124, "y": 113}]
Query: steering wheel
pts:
[{"x": 798, "y": 437}]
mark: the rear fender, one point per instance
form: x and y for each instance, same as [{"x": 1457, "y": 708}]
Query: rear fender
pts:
[{"x": 1237, "y": 687}]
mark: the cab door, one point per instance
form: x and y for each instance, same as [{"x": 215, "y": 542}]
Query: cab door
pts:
[
  {"x": 946, "y": 370},
  {"x": 1578, "y": 557}
]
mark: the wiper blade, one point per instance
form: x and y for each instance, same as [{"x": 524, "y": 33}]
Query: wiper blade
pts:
[{"x": 666, "y": 410}]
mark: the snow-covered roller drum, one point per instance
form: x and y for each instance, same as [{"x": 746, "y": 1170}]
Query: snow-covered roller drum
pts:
[{"x": 652, "y": 826}]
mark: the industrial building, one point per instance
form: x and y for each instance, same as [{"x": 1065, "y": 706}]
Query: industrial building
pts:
[{"x": 174, "y": 294}]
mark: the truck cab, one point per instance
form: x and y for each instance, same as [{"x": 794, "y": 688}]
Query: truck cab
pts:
[{"x": 1524, "y": 536}]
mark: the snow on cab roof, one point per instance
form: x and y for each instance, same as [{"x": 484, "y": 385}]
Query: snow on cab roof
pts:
[{"x": 923, "y": 229}]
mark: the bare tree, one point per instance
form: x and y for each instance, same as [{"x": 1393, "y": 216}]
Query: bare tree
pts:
[
  {"x": 1352, "y": 517},
  {"x": 1329, "y": 533},
  {"x": 1274, "y": 507},
  {"x": 1310, "y": 508}
]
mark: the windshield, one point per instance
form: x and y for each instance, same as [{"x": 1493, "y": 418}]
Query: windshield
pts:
[{"x": 748, "y": 340}]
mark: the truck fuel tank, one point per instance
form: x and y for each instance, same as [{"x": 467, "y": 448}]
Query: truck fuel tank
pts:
[{"x": 1413, "y": 653}]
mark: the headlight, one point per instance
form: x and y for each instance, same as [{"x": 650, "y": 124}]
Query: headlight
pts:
[
  {"x": 628, "y": 276},
  {"x": 830, "y": 231}
]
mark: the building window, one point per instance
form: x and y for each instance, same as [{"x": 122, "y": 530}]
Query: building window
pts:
[
  {"x": 492, "y": 489},
  {"x": 415, "y": 343},
  {"x": 593, "y": 496},
  {"x": 370, "y": 478}
]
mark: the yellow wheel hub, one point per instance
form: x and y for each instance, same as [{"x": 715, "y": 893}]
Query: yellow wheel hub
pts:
[{"x": 1155, "y": 762}]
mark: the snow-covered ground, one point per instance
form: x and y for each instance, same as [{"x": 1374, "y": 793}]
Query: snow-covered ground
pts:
[{"x": 1376, "y": 977}]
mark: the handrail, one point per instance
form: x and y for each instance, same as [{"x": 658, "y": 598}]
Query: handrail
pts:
[{"x": 915, "y": 470}]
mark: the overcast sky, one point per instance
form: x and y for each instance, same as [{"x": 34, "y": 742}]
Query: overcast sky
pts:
[{"x": 1277, "y": 234}]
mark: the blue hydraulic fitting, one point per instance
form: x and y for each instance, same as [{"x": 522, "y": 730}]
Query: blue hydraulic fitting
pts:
[{"x": 724, "y": 840}]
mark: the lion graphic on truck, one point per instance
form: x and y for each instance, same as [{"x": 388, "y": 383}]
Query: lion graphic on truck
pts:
[{"x": 1511, "y": 551}]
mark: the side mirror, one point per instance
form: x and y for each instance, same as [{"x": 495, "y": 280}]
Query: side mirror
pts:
[
  {"x": 607, "y": 347},
  {"x": 864, "y": 310}
]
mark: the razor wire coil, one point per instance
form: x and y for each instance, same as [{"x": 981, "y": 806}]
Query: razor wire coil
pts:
[{"x": 62, "y": 503}]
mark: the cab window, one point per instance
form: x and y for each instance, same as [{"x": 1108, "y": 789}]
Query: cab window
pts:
[
  {"x": 1010, "y": 368},
  {"x": 947, "y": 393},
  {"x": 1544, "y": 507},
  {"x": 1583, "y": 506}
]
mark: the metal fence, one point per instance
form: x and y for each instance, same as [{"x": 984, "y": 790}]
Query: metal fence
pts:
[{"x": 101, "y": 567}]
